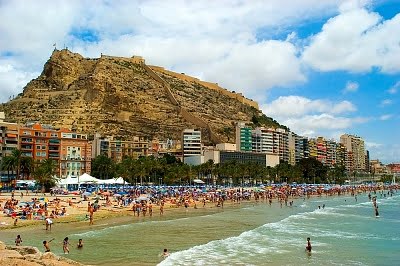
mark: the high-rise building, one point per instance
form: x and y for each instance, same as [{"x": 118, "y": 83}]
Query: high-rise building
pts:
[
  {"x": 271, "y": 141},
  {"x": 191, "y": 143},
  {"x": 367, "y": 165},
  {"x": 296, "y": 148},
  {"x": 243, "y": 137},
  {"x": 355, "y": 152}
]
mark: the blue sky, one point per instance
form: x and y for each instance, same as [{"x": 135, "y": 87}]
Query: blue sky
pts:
[{"x": 322, "y": 68}]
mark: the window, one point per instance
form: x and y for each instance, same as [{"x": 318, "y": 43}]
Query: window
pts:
[
  {"x": 43, "y": 147},
  {"x": 43, "y": 154},
  {"x": 38, "y": 147},
  {"x": 38, "y": 153}
]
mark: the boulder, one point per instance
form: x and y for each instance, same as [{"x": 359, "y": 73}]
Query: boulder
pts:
[
  {"x": 10, "y": 254},
  {"x": 49, "y": 256}
]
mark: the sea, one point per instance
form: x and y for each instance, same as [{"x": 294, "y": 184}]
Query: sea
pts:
[{"x": 343, "y": 231}]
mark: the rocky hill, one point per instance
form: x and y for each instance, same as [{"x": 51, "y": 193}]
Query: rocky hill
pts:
[{"x": 125, "y": 97}]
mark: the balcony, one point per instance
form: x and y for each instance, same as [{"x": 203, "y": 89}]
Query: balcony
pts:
[{"x": 54, "y": 141}]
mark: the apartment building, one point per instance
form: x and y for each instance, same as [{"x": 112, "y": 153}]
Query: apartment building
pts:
[
  {"x": 355, "y": 149},
  {"x": 117, "y": 149},
  {"x": 76, "y": 154},
  {"x": 269, "y": 141},
  {"x": 39, "y": 142},
  {"x": 297, "y": 146},
  {"x": 9, "y": 134},
  {"x": 70, "y": 150}
]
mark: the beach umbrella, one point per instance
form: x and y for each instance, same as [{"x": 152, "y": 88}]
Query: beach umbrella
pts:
[
  {"x": 117, "y": 195},
  {"x": 142, "y": 198},
  {"x": 86, "y": 193}
]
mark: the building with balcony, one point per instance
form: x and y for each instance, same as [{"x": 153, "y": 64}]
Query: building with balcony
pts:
[
  {"x": 117, "y": 149},
  {"x": 70, "y": 150},
  {"x": 9, "y": 135},
  {"x": 39, "y": 142},
  {"x": 76, "y": 153},
  {"x": 355, "y": 149},
  {"x": 297, "y": 146}
]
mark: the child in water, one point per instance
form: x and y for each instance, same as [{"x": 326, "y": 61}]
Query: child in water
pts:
[
  {"x": 18, "y": 240},
  {"x": 80, "y": 243},
  {"x": 165, "y": 253},
  {"x": 66, "y": 245}
]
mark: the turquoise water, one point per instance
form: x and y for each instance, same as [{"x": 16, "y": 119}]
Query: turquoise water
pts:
[{"x": 345, "y": 232}]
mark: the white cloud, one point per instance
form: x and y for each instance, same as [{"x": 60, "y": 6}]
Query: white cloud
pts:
[
  {"x": 312, "y": 118},
  {"x": 322, "y": 124},
  {"x": 395, "y": 88},
  {"x": 296, "y": 106},
  {"x": 385, "y": 102},
  {"x": 385, "y": 117},
  {"x": 370, "y": 145},
  {"x": 204, "y": 39},
  {"x": 351, "y": 86},
  {"x": 356, "y": 40},
  {"x": 386, "y": 153},
  {"x": 12, "y": 80}
]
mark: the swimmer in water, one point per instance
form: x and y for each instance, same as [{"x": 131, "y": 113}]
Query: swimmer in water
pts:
[{"x": 165, "y": 253}]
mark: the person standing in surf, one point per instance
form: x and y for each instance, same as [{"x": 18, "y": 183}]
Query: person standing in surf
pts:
[{"x": 308, "y": 247}]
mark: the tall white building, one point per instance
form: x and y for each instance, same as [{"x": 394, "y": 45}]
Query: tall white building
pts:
[{"x": 191, "y": 143}]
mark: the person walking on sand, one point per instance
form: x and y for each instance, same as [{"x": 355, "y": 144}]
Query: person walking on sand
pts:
[
  {"x": 161, "y": 209},
  {"x": 308, "y": 247},
  {"x": 18, "y": 240},
  {"x": 66, "y": 245}
]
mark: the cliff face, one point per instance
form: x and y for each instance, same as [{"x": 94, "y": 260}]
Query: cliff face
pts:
[{"x": 124, "y": 97}]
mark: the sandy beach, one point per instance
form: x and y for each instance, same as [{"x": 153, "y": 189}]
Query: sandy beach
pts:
[{"x": 177, "y": 229}]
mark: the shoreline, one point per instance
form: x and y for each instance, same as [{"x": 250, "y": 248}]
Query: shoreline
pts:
[
  {"x": 78, "y": 212},
  {"x": 110, "y": 219}
]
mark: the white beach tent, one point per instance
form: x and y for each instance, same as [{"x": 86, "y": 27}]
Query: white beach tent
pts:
[
  {"x": 86, "y": 178},
  {"x": 198, "y": 181},
  {"x": 113, "y": 181},
  {"x": 70, "y": 180}
]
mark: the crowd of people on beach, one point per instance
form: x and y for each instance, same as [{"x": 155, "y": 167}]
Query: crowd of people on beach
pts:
[{"x": 142, "y": 200}]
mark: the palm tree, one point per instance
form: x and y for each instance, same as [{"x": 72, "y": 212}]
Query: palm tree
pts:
[
  {"x": 7, "y": 164},
  {"x": 45, "y": 173},
  {"x": 26, "y": 167},
  {"x": 103, "y": 167},
  {"x": 16, "y": 156}
]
